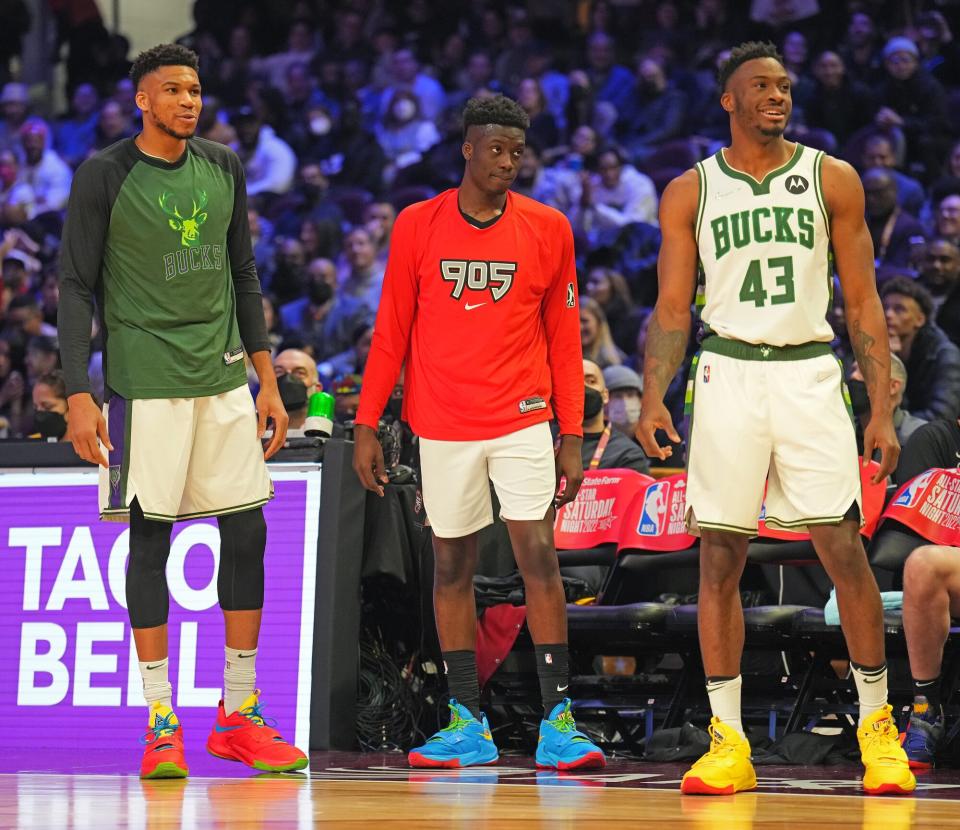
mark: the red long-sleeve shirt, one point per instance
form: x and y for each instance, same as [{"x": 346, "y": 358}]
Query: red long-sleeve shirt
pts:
[{"x": 486, "y": 319}]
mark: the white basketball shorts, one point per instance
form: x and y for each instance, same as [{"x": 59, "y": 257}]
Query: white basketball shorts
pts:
[
  {"x": 456, "y": 476},
  {"x": 183, "y": 458},
  {"x": 776, "y": 415}
]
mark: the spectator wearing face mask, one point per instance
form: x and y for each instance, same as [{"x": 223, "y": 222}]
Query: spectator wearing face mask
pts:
[
  {"x": 626, "y": 388},
  {"x": 903, "y": 422},
  {"x": 50, "y": 406},
  {"x": 297, "y": 379},
  {"x": 405, "y": 134},
  {"x": 604, "y": 447}
]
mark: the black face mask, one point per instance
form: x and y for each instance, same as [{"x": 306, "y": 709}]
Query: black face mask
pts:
[
  {"x": 292, "y": 392},
  {"x": 592, "y": 403},
  {"x": 319, "y": 292},
  {"x": 859, "y": 400},
  {"x": 50, "y": 424}
]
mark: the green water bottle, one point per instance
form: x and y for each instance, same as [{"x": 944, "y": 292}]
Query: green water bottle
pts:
[{"x": 319, "y": 415}]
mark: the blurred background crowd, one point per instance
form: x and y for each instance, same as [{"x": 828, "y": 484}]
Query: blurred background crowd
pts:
[{"x": 343, "y": 113}]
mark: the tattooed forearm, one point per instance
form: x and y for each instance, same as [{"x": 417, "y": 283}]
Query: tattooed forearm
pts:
[
  {"x": 872, "y": 350},
  {"x": 664, "y": 353}
]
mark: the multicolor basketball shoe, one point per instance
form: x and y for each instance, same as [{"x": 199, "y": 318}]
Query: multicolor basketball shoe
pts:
[
  {"x": 887, "y": 770},
  {"x": 163, "y": 750},
  {"x": 725, "y": 769},
  {"x": 465, "y": 742},
  {"x": 561, "y": 746},
  {"x": 923, "y": 736},
  {"x": 246, "y": 736}
]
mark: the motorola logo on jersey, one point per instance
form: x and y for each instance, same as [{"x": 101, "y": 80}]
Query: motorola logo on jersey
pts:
[
  {"x": 797, "y": 184},
  {"x": 478, "y": 275}
]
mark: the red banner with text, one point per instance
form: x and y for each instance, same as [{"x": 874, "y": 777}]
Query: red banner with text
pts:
[
  {"x": 930, "y": 505},
  {"x": 655, "y": 520},
  {"x": 594, "y": 518}
]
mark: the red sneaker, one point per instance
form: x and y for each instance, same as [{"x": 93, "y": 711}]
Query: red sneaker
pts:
[
  {"x": 163, "y": 753},
  {"x": 245, "y": 736}
]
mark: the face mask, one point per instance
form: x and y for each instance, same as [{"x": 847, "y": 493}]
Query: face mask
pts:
[
  {"x": 320, "y": 292},
  {"x": 592, "y": 403},
  {"x": 320, "y": 125},
  {"x": 50, "y": 424},
  {"x": 292, "y": 392},
  {"x": 404, "y": 109},
  {"x": 623, "y": 411},
  {"x": 859, "y": 400}
]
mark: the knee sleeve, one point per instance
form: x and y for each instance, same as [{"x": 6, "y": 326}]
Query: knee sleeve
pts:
[
  {"x": 148, "y": 602},
  {"x": 243, "y": 539}
]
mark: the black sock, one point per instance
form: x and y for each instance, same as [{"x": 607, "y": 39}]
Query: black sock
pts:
[
  {"x": 462, "y": 683},
  {"x": 554, "y": 673},
  {"x": 927, "y": 691}
]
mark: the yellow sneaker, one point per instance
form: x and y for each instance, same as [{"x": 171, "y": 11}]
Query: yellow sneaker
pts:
[
  {"x": 887, "y": 769},
  {"x": 725, "y": 769}
]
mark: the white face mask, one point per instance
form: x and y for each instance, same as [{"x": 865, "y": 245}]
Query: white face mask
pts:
[
  {"x": 320, "y": 125},
  {"x": 404, "y": 109},
  {"x": 623, "y": 412}
]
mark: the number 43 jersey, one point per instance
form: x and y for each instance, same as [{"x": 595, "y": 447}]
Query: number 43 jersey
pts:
[
  {"x": 765, "y": 251},
  {"x": 485, "y": 320}
]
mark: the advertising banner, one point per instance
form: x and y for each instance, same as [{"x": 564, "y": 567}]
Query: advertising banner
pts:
[
  {"x": 595, "y": 516},
  {"x": 65, "y": 641},
  {"x": 656, "y": 519},
  {"x": 930, "y": 505}
]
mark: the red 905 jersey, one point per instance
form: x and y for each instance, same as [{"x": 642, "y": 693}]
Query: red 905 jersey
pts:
[{"x": 486, "y": 320}]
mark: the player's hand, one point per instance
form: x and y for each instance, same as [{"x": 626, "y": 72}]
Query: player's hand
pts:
[
  {"x": 85, "y": 424},
  {"x": 368, "y": 459},
  {"x": 569, "y": 467},
  {"x": 653, "y": 416},
  {"x": 880, "y": 435},
  {"x": 270, "y": 406}
]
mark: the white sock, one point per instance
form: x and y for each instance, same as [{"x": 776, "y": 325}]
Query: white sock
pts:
[
  {"x": 156, "y": 685},
  {"x": 239, "y": 677},
  {"x": 871, "y": 689},
  {"x": 725, "y": 702}
]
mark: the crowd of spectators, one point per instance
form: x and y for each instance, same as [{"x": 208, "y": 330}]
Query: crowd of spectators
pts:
[{"x": 343, "y": 113}]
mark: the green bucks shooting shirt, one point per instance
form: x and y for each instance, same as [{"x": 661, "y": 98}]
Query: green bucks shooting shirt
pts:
[{"x": 165, "y": 248}]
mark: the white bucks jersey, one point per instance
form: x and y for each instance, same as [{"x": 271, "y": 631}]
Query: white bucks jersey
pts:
[{"x": 765, "y": 251}]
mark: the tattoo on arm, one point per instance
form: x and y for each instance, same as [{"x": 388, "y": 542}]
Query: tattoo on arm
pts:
[
  {"x": 663, "y": 355},
  {"x": 862, "y": 343}
]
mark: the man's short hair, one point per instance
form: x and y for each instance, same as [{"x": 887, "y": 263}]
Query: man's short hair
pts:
[
  {"x": 165, "y": 54},
  {"x": 897, "y": 370},
  {"x": 907, "y": 287},
  {"x": 739, "y": 55},
  {"x": 499, "y": 110}
]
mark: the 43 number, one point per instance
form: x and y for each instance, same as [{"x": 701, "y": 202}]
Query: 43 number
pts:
[{"x": 752, "y": 290}]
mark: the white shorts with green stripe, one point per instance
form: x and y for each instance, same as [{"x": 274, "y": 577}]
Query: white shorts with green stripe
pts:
[
  {"x": 775, "y": 416},
  {"x": 183, "y": 458}
]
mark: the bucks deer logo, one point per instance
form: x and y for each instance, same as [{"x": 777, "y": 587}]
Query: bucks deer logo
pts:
[{"x": 189, "y": 226}]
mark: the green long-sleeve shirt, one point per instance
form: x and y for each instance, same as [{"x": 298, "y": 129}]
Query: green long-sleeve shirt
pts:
[{"x": 165, "y": 249}]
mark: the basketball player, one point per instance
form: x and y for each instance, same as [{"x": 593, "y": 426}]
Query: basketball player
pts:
[
  {"x": 762, "y": 217},
  {"x": 157, "y": 230},
  {"x": 480, "y": 302}
]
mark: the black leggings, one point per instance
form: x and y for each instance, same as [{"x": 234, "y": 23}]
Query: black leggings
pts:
[{"x": 243, "y": 539}]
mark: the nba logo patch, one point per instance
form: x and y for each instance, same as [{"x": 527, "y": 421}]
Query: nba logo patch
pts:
[
  {"x": 910, "y": 496},
  {"x": 653, "y": 519},
  {"x": 548, "y": 659},
  {"x": 706, "y": 374},
  {"x": 571, "y": 296}
]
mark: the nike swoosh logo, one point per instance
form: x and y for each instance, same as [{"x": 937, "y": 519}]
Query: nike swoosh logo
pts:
[
  {"x": 868, "y": 680},
  {"x": 220, "y": 728},
  {"x": 154, "y": 667},
  {"x": 822, "y": 376},
  {"x": 563, "y": 688},
  {"x": 246, "y": 655},
  {"x": 470, "y": 307}
]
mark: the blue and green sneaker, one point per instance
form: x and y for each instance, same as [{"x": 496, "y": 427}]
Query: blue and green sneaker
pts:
[
  {"x": 466, "y": 742},
  {"x": 562, "y": 746}
]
